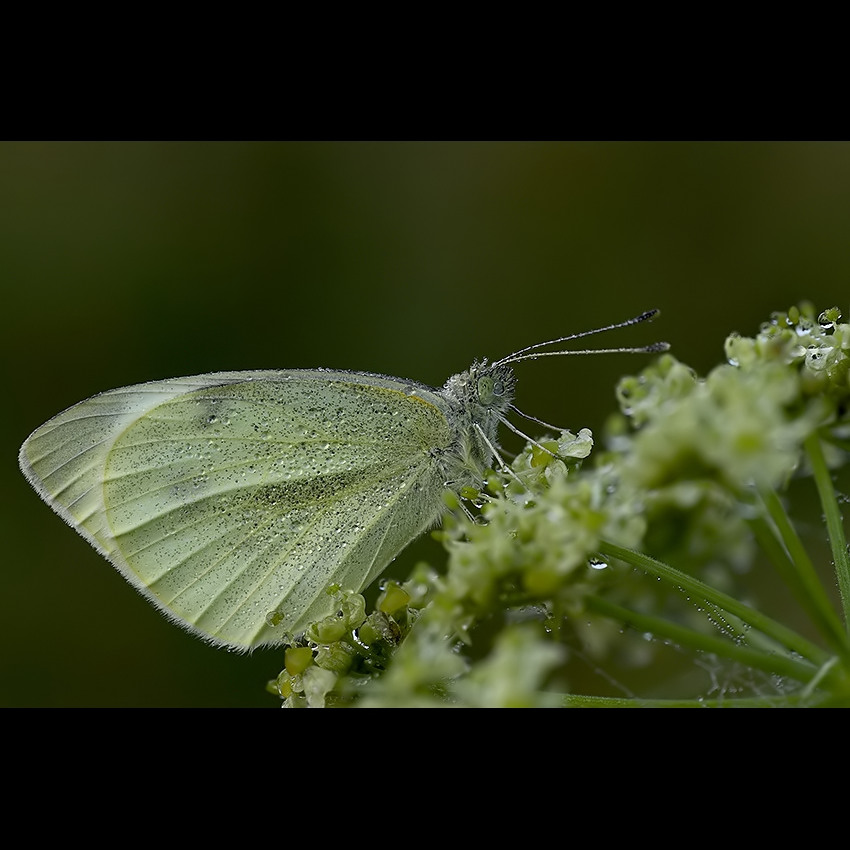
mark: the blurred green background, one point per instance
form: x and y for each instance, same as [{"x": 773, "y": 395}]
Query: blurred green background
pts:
[{"x": 126, "y": 262}]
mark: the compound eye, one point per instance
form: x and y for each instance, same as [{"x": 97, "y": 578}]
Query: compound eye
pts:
[
  {"x": 498, "y": 388},
  {"x": 486, "y": 387}
]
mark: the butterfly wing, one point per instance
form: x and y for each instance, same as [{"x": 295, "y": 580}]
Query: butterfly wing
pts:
[{"x": 228, "y": 497}]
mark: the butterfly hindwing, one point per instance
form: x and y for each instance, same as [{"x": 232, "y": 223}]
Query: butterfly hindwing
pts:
[{"x": 226, "y": 497}]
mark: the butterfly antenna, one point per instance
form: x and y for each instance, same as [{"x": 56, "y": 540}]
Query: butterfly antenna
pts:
[{"x": 530, "y": 352}]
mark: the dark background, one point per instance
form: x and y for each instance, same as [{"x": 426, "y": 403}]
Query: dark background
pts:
[{"x": 127, "y": 262}]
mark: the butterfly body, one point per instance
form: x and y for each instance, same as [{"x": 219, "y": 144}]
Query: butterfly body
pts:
[{"x": 231, "y": 500}]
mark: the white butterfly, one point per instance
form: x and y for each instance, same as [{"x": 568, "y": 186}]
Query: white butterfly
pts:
[{"x": 232, "y": 500}]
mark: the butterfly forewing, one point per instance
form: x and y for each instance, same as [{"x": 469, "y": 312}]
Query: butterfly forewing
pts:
[
  {"x": 64, "y": 458},
  {"x": 229, "y": 502}
]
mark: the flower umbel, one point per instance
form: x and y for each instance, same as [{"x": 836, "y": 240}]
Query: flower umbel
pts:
[{"x": 655, "y": 531}]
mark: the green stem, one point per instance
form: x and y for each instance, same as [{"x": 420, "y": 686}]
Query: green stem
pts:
[
  {"x": 782, "y": 665},
  {"x": 782, "y": 634},
  {"x": 827, "y": 437},
  {"x": 834, "y": 524},
  {"x": 825, "y": 617},
  {"x": 582, "y": 701},
  {"x": 766, "y": 538}
]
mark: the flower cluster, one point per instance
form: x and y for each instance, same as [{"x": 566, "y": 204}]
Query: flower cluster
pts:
[{"x": 681, "y": 466}]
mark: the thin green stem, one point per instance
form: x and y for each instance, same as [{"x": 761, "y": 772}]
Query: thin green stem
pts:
[
  {"x": 771, "y": 545},
  {"x": 834, "y": 523},
  {"x": 827, "y": 437},
  {"x": 582, "y": 701},
  {"x": 825, "y": 617},
  {"x": 782, "y": 665},
  {"x": 778, "y": 632}
]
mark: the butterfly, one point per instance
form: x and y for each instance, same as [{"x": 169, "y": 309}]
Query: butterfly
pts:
[{"x": 232, "y": 500}]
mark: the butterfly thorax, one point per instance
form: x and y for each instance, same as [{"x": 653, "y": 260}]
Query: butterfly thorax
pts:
[{"x": 477, "y": 401}]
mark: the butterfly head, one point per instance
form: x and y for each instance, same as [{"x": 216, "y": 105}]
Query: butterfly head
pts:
[
  {"x": 494, "y": 385},
  {"x": 485, "y": 390}
]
